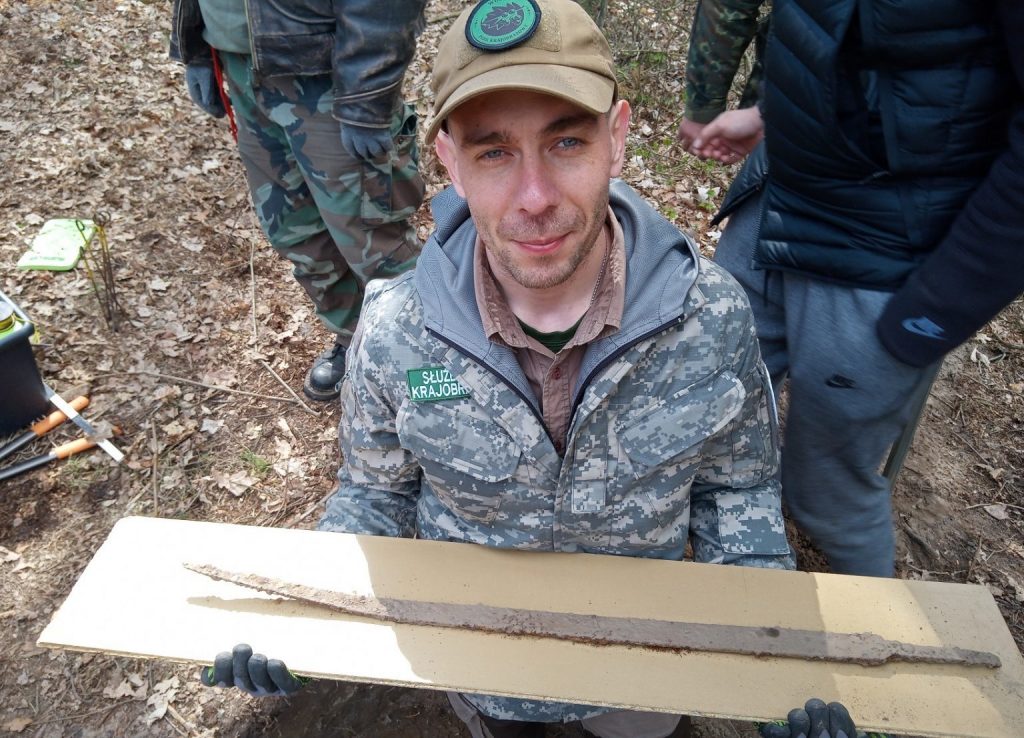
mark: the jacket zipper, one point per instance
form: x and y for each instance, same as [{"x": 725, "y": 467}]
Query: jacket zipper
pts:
[
  {"x": 252, "y": 43},
  {"x": 597, "y": 370},
  {"x": 179, "y": 28},
  {"x": 495, "y": 372},
  {"x": 615, "y": 355},
  {"x": 579, "y": 395}
]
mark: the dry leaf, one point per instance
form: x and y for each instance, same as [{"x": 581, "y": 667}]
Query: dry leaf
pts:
[
  {"x": 283, "y": 448},
  {"x": 124, "y": 689},
  {"x": 18, "y": 724},
  {"x": 285, "y": 428},
  {"x": 997, "y": 511},
  {"x": 168, "y": 686},
  {"x": 174, "y": 428},
  {"x": 159, "y": 703},
  {"x": 236, "y": 483},
  {"x": 290, "y": 468},
  {"x": 1018, "y": 590},
  {"x": 996, "y": 474}
]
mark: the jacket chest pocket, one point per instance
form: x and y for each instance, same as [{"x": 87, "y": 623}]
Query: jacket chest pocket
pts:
[
  {"x": 468, "y": 462},
  {"x": 665, "y": 447}
]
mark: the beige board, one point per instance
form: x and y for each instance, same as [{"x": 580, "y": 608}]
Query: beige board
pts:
[{"x": 135, "y": 598}]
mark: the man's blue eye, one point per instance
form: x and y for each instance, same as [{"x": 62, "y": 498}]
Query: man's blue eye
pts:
[{"x": 568, "y": 143}]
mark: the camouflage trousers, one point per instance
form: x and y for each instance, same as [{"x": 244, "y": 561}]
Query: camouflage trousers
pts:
[{"x": 339, "y": 220}]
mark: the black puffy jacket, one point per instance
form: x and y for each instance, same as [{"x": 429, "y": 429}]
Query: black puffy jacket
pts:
[{"x": 883, "y": 122}]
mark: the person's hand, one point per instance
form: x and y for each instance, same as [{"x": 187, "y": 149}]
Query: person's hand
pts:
[
  {"x": 202, "y": 88},
  {"x": 814, "y": 720},
  {"x": 366, "y": 143},
  {"x": 730, "y": 136},
  {"x": 251, "y": 672},
  {"x": 688, "y": 132}
]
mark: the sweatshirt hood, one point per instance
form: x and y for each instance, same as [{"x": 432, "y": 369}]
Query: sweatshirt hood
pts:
[{"x": 661, "y": 266}]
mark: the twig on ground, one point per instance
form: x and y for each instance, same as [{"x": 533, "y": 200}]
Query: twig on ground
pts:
[
  {"x": 76, "y": 716},
  {"x": 970, "y": 566},
  {"x": 284, "y": 384},
  {"x": 950, "y": 574},
  {"x": 155, "y": 447},
  {"x": 299, "y": 518},
  {"x": 971, "y": 446},
  {"x": 986, "y": 504},
  {"x": 250, "y": 208},
  {"x": 917, "y": 538},
  {"x": 185, "y": 723},
  {"x": 194, "y": 383},
  {"x": 252, "y": 291}
]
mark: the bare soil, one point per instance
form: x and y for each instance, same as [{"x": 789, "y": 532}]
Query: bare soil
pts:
[{"x": 93, "y": 117}]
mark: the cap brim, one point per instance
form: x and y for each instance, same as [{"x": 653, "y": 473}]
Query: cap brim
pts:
[{"x": 589, "y": 90}]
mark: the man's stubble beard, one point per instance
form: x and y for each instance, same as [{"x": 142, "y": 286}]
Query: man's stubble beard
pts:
[{"x": 537, "y": 277}]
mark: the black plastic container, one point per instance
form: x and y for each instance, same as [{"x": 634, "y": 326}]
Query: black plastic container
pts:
[{"x": 22, "y": 396}]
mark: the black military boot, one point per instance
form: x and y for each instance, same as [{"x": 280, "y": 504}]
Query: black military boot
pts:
[{"x": 323, "y": 381}]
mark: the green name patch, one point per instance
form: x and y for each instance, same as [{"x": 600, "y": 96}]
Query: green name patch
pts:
[{"x": 433, "y": 383}]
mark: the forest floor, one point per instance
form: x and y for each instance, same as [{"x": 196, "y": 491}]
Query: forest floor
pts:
[{"x": 93, "y": 117}]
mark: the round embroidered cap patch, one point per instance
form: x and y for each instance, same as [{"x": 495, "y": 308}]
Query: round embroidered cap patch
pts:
[{"x": 494, "y": 25}]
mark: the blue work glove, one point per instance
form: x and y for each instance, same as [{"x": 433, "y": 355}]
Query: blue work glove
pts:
[
  {"x": 366, "y": 143},
  {"x": 252, "y": 673},
  {"x": 814, "y": 720},
  {"x": 202, "y": 88}
]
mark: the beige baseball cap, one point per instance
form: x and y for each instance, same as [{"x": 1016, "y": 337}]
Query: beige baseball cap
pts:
[{"x": 549, "y": 46}]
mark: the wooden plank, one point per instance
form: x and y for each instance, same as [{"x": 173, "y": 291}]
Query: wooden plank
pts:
[{"x": 135, "y": 598}]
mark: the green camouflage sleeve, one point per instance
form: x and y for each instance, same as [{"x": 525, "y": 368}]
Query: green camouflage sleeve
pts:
[
  {"x": 722, "y": 30},
  {"x": 736, "y": 501},
  {"x": 379, "y": 481}
]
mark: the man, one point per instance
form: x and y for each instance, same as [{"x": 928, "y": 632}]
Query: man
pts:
[
  {"x": 562, "y": 371},
  {"x": 880, "y": 225},
  {"x": 328, "y": 146}
]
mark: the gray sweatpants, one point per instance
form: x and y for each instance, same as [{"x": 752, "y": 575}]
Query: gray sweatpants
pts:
[{"x": 849, "y": 399}]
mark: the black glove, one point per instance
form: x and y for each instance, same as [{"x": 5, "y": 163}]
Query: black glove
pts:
[
  {"x": 815, "y": 720},
  {"x": 202, "y": 88},
  {"x": 366, "y": 143},
  {"x": 251, "y": 672}
]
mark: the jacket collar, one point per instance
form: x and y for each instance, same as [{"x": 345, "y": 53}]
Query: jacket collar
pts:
[{"x": 661, "y": 267}]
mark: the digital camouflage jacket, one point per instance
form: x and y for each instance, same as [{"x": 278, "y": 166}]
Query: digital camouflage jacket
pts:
[
  {"x": 365, "y": 45},
  {"x": 672, "y": 438}
]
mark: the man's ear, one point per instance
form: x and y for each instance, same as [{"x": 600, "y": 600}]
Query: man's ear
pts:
[
  {"x": 618, "y": 124},
  {"x": 445, "y": 147}
]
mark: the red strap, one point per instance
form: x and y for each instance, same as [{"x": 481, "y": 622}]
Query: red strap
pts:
[{"x": 218, "y": 73}]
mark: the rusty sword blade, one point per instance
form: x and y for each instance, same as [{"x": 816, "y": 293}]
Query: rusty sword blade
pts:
[{"x": 867, "y": 649}]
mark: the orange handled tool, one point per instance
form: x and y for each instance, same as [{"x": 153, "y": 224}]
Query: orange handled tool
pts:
[
  {"x": 61, "y": 452},
  {"x": 42, "y": 427}
]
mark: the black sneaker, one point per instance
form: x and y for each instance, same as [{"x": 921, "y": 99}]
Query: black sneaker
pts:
[{"x": 323, "y": 381}]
